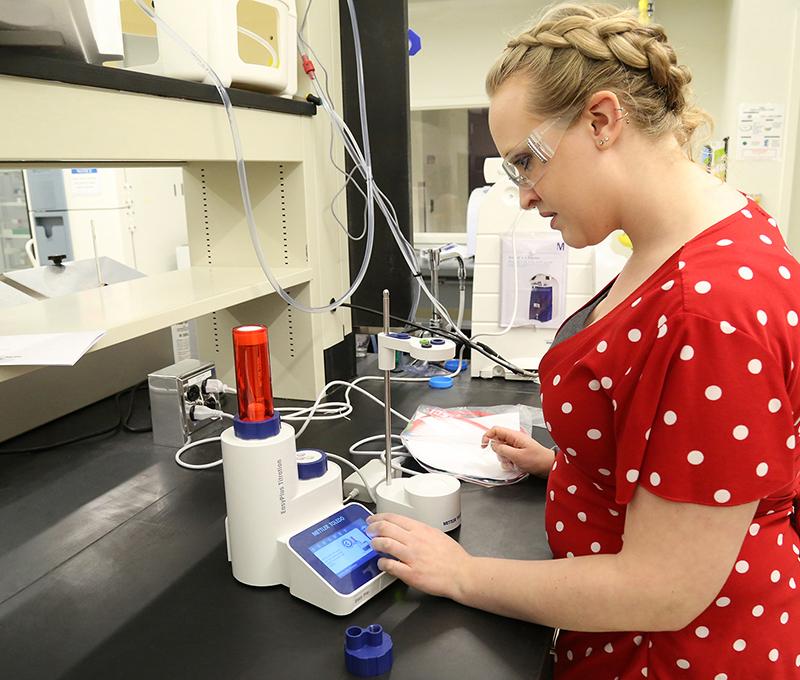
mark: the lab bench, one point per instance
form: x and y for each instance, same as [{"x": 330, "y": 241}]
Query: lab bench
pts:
[{"x": 113, "y": 564}]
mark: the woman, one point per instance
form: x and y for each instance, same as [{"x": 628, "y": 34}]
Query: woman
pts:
[{"x": 673, "y": 396}]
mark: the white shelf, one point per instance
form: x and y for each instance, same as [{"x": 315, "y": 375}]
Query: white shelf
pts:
[
  {"x": 12, "y": 204},
  {"x": 133, "y": 308},
  {"x": 54, "y": 122}
]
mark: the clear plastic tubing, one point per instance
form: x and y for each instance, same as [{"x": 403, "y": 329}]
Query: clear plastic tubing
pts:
[{"x": 241, "y": 171}]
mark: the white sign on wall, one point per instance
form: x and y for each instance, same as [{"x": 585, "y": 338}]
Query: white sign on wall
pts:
[
  {"x": 85, "y": 182},
  {"x": 759, "y": 132}
]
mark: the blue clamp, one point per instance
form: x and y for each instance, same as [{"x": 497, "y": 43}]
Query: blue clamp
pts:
[
  {"x": 367, "y": 651},
  {"x": 414, "y": 43}
]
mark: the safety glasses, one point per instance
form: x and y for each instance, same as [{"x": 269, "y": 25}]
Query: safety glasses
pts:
[{"x": 526, "y": 163}]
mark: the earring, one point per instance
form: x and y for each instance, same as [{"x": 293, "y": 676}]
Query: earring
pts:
[
  {"x": 624, "y": 115},
  {"x": 602, "y": 141}
]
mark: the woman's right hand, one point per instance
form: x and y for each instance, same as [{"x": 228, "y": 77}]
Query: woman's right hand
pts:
[{"x": 517, "y": 449}]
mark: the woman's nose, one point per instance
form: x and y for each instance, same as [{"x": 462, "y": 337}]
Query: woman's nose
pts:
[{"x": 527, "y": 197}]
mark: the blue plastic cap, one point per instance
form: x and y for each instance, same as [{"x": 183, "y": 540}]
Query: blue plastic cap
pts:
[
  {"x": 452, "y": 364},
  {"x": 437, "y": 341},
  {"x": 440, "y": 382},
  {"x": 400, "y": 336},
  {"x": 311, "y": 463},
  {"x": 257, "y": 429},
  {"x": 367, "y": 651}
]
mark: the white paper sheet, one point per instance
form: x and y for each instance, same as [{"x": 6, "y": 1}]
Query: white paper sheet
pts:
[{"x": 46, "y": 349}]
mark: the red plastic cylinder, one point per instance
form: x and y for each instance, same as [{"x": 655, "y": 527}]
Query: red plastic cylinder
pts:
[{"x": 253, "y": 376}]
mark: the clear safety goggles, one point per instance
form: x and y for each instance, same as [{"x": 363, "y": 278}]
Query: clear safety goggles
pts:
[{"x": 526, "y": 163}]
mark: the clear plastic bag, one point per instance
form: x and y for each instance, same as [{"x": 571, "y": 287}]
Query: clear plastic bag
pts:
[{"x": 449, "y": 440}]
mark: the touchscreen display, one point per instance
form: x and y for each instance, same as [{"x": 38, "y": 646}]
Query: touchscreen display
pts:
[{"x": 344, "y": 550}]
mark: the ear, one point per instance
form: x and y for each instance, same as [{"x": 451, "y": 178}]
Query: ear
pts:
[{"x": 606, "y": 117}]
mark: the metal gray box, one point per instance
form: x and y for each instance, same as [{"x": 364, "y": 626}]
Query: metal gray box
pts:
[{"x": 169, "y": 406}]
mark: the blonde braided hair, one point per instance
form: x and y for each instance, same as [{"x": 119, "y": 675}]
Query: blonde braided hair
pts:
[{"x": 576, "y": 50}]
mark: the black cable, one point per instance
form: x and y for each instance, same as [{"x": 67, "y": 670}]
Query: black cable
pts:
[
  {"x": 120, "y": 423},
  {"x": 443, "y": 333},
  {"x": 126, "y": 422},
  {"x": 477, "y": 346},
  {"x": 74, "y": 440}
]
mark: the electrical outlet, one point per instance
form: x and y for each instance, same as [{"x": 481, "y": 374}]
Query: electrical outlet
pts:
[{"x": 173, "y": 390}]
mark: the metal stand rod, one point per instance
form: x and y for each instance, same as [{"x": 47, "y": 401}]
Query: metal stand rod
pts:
[
  {"x": 387, "y": 395},
  {"x": 100, "y": 281},
  {"x": 435, "y": 258}
]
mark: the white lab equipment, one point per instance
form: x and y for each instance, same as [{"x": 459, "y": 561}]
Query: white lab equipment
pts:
[
  {"x": 88, "y": 30},
  {"x": 136, "y": 216},
  {"x": 286, "y": 523},
  {"x": 433, "y": 498},
  {"x": 248, "y": 43},
  {"x": 525, "y": 345},
  {"x": 80, "y": 212}
]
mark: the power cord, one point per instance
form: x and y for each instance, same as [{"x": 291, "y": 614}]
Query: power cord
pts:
[
  {"x": 122, "y": 422},
  {"x": 126, "y": 422}
]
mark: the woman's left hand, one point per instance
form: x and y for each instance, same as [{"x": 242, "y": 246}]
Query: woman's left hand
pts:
[{"x": 426, "y": 558}]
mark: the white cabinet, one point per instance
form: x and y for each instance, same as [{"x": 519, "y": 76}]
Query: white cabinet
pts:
[{"x": 291, "y": 181}]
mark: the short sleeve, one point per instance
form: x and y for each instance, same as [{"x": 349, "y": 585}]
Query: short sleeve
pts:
[{"x": 705, "y": 418}]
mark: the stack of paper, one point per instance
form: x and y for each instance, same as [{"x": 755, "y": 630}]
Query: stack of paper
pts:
[{"x": 46, "y": 349}]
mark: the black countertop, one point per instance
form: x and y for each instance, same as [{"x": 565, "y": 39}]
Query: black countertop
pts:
[{"x": 113, "y": 565}]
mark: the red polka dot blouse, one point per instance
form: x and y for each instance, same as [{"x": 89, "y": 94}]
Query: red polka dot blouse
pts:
[{"x": 689, "y": 388}]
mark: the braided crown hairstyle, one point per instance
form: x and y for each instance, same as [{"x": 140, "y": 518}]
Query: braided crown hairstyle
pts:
[{"x": 575, "y": 50}]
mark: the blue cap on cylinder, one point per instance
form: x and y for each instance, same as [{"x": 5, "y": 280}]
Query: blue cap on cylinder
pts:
[{"x": 311, "y": 463}]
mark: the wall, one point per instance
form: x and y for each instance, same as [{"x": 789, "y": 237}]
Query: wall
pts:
[
  {"x": 794, "y": 212},
  {"x": 462, "y": 38},
  {"x": 764, "y": 67}
]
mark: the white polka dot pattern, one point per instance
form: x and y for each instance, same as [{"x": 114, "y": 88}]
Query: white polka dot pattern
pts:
[
  {"x": 702, "y": 287},
  {"x": 685, "y": 390},
  {"x": 695, "y": 457}
]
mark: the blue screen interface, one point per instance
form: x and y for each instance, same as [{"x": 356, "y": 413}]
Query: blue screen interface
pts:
[{"x": 345, "y": 549}]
